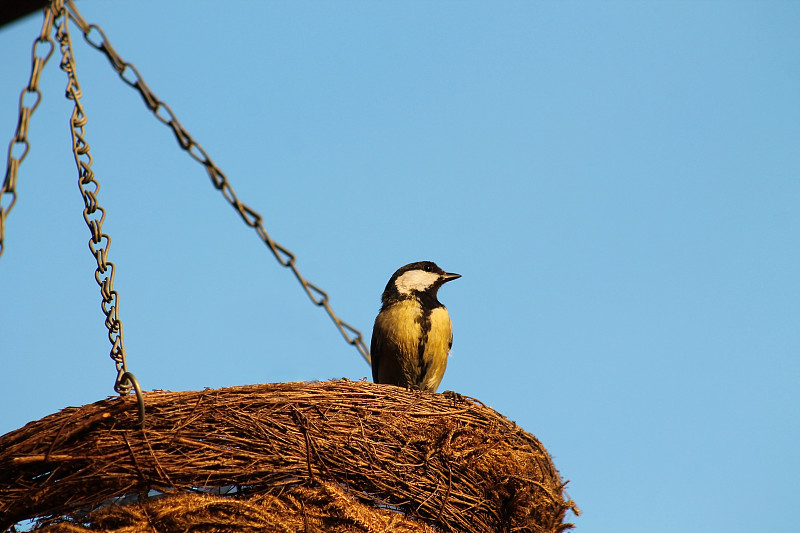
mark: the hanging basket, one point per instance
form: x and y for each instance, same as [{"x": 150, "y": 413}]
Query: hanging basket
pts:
[{"x": 334, "y": 456}]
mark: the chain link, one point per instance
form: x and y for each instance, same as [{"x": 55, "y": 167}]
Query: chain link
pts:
[
  {"x": 8, "y": 192},
  {"x": 94, "y": 215},
  {"x": 95, "y": 36}
]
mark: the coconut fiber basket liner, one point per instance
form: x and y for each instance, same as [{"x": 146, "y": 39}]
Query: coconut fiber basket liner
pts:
[{"x": 320, "y": 456}]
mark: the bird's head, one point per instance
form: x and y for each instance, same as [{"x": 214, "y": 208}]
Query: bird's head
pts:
[{"x": 420, "y": 278}]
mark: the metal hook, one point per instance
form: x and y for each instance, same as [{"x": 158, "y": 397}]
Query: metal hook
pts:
[{"x": 130, "y": 378}]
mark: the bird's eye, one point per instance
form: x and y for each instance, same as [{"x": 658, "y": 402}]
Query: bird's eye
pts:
[{"x": 428, "y": 268}]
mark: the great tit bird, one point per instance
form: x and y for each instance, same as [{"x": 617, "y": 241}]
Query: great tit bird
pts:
[{"x": 412, "y": 335}]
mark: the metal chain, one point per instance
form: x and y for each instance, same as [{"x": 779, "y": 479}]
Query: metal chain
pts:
[
  {"x": 8, "y": 192},
  {"x": 94, "y": 215},
  {"x": 95, "y": 36}
]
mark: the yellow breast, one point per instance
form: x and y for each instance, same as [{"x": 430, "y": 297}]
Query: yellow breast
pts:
[
  {"x": 396, "y": 345},
  {"x": 400, "y": 326},
  {"x": 440, "y": 338}
]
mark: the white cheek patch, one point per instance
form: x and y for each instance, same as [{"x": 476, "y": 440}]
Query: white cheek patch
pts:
[{"x": 415, "y": 280}]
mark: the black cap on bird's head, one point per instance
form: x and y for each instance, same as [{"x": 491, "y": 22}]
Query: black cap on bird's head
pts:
[{"x": 422, "y": 277}]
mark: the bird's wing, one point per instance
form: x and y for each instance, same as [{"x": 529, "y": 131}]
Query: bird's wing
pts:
[{"x": 375, "y": 351}]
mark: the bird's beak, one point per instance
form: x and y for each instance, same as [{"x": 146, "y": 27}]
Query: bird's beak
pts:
[{"x": 449, "y": 276}]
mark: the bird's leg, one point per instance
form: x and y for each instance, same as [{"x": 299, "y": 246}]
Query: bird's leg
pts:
[{"x": 454, "y": 396}]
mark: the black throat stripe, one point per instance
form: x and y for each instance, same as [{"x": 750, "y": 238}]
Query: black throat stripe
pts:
[{"x": 425, "y": 325}]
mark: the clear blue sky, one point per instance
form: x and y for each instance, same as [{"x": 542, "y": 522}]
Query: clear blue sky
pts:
[{"x": 617, "y": 182}]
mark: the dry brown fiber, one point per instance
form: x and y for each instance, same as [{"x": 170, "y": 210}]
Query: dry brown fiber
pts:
[{"x": 321, "y": 456}]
